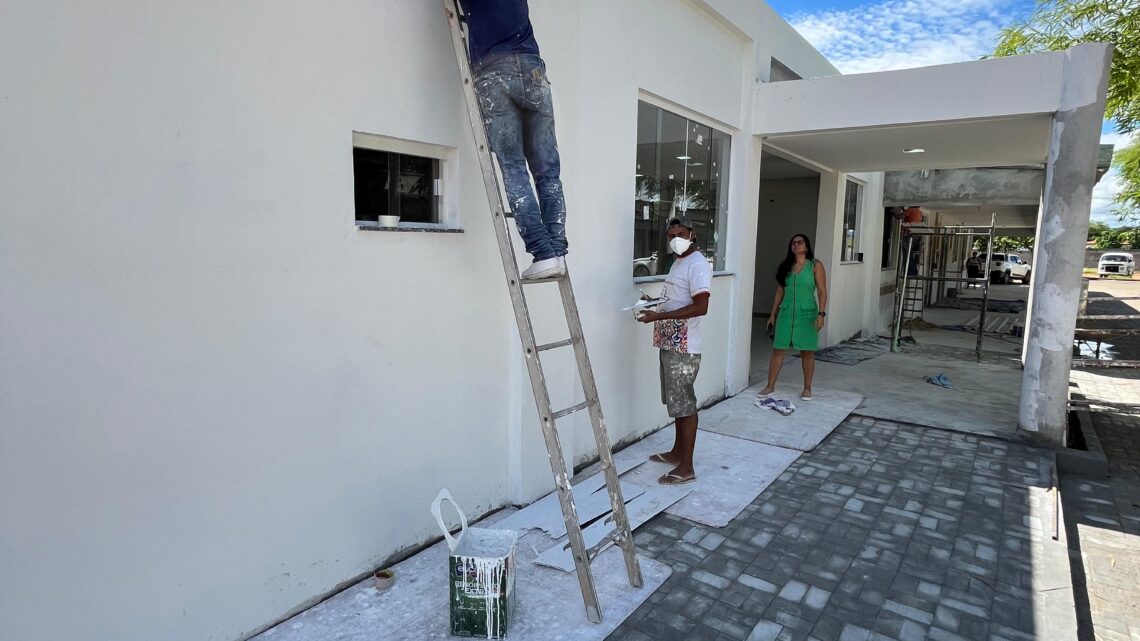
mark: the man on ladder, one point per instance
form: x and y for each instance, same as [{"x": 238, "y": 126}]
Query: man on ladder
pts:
[
  {"x": 518, "y": 114},
  {"x": 509, "y": 109}
]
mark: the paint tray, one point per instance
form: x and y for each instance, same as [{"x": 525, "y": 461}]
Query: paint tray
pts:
[{"x": 481, "y": 576}]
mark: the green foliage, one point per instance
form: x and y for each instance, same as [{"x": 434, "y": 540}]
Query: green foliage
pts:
[
  {"x": 1006, "y": 244},
  {"x": 1061, "y": 24},
  {"x": 1097, "y": 228},
  {"x": 1127, "y": 203},
  {"x": 1117, "y": 238}
]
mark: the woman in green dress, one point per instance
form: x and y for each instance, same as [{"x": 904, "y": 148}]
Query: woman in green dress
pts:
[{"x": 798, "y": 312}]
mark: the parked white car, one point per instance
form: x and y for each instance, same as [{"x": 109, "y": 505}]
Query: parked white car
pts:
[
  {"x": 1115, "y": 264},
  {"x": 1005, "y": 267},
  {"x": 645, "y": 266}
]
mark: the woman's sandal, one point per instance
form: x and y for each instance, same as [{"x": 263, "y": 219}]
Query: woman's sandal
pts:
[{"x": 660, "y": 458}]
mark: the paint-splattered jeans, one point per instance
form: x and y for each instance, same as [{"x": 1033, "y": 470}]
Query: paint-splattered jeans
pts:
[
  {"x": 678, "y": 375},
  {"x": 519, "y": 116}
]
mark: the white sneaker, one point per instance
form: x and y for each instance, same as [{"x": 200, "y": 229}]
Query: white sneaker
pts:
[{"x": 548, "y": 268}]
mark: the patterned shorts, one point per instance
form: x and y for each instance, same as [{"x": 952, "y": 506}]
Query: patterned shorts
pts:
[{"x": 678, "y": 373}]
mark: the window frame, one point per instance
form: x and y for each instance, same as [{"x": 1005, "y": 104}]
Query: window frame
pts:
[
  {"x": 860, "y": 195},
  {"x": 724, "y": 195},
  {"x": 444, "y": 187},
  {"x": 891, "y": 245}
]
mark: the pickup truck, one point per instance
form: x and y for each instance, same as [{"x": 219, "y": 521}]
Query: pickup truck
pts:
[{"x": 1005, "y": 267}]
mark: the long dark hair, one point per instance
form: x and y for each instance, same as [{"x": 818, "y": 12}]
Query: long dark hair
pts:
[{"x": 786, "y": 266}]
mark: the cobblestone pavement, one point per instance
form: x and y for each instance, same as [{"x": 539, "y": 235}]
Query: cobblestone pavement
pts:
[
  {"x": 1102, "y": 515},
  {"x": 885, "y": 531}
]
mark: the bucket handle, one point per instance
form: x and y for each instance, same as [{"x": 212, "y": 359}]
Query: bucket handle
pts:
[{"x": 444, "y": 495}]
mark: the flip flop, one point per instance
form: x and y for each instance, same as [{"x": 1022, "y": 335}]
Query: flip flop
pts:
[
  {"x": 680, "y": 480},
  {"x": 763, "y": 395},
  {"x": 805, "y": 397},
  {"x": 660, "y": 458}
]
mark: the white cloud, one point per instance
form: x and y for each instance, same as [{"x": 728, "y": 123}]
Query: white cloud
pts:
[
  {"x": 902, "y": 34},
  {"x": 899, "y": 34}
]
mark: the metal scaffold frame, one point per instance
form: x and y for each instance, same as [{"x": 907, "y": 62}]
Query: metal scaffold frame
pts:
[{"x": 903, "y": 278}]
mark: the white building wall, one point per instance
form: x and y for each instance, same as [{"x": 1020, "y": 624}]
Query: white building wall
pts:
[
  {"x": 221, "y": 399},
  {"x": 852, "y": 307}
]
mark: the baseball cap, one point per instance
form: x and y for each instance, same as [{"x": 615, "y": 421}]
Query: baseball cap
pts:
[{"x": 683, "y": 221}]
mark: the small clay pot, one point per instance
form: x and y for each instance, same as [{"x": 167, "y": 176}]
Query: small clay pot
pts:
[{"x": 383, "y": 579}]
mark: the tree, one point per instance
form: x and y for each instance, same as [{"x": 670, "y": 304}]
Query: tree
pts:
[
  {"x": 1117, "y": 238},
  {"x": 1097, "y": 229},
  {"x": 1061, "y": 24},
  {"x": 1006, "y": 244}
]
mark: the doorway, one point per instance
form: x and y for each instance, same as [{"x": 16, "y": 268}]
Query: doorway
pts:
[{"x": 788, "y": 205}]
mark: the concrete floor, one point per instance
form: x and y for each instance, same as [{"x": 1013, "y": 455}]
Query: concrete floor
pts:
[
  {"x": 963, "y": 340},
  {"x": 1014, "y": 291},
  {"x": 984, "y": 398}
]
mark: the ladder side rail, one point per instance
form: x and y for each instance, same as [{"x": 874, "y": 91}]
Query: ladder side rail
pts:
[
  {"x": 904, "y": 262},
  {"x": 985, "y": 287},
  {"x": 601, "y": 436},
  {"x": 522, "y": 317}
]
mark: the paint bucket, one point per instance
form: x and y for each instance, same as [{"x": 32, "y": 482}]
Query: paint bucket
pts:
[{"x": 481, "y": 576}]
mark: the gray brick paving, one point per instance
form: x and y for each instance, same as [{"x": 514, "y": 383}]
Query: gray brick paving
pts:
[
  {"x": 1102, "y": 515},
  {"x": 885, "y": 531}
]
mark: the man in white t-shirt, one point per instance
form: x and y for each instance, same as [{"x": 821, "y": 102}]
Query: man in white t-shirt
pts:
[{"x": 677, "y": 334}]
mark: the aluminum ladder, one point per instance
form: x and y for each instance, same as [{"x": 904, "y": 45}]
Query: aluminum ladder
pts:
[{"x": 621, "y": 535}]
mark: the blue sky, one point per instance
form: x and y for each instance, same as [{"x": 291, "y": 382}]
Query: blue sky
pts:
[{"x": 879, "y": 35}]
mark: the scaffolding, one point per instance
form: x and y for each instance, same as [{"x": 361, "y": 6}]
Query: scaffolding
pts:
[{"x": 912, "y": 290}]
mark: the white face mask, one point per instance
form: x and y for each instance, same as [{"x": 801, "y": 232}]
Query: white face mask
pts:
[{"x": 680, "y": 245}]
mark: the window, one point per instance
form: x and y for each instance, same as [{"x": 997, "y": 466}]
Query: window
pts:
[
  {"x": 852, "y": 199},
  {"x": 682, "y": 169},
  {"x": 890, "y": 248},
  {"x": 395, "y": 184}
]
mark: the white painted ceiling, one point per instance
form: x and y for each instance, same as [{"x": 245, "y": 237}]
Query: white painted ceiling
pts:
[{"x": 1014, "y": 141}]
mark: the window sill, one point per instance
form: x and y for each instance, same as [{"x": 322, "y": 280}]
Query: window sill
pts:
[
  {"x": 410, "y": 227},
  {"x": 850, "y": 262},
  {"x": 661, "y": 278}
]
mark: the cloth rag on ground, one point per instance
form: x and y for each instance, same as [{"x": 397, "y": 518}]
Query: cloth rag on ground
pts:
[
  {"x": 940, "y": 380},
  {"x": 777, "y": 404}
]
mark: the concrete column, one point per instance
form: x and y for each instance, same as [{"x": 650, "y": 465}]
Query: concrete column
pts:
[{"x": 1062, "y": 224}]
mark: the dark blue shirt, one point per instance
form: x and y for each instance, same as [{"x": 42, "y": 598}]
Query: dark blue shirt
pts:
[{"x": 498, "y": 28}]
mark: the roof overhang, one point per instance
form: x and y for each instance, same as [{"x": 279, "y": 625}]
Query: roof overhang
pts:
[{"x": 995, "y": 112}]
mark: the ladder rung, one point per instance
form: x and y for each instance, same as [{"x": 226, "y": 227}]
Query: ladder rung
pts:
[
  {"x": 613, "y": 537},
  {"x": 565, "y": 343},
  {"x": 570, "y": 410}
]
